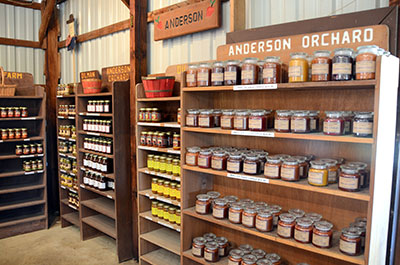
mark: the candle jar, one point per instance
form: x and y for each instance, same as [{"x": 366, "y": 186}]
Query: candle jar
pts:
[
  {"x": 321, "y": 66},
  {"x": 318, "y": 174},
  {"x": 363, "y": 124},
  {"x": 220, "y": 208},
  {"x": 204, "y": 159},
  {"x": 252, "y": 165},
  {"x": 282, "y": 121},
  {"x": 192, "y": 118},
  {"x": 272, "y": 70},
  {"x": 300, "y": 122},
  {"x": 264, "y": 221},
  {"x": 349, "y": 178},
  {"x": 191, "y": 76},
  {"x": 303, "y": 230},
  {"x": 206, "y": 119},
  {"x": 290, "y": 170},
  {"x": 322, "y": 234},
  {"x": 192, "y": 155},
  {"x": 235, "y": 213},
  {"x": 235, "y": 257},
  {"x": 222, "y": 246},
  {"x": 198, "y": 245},
  {"x": 235, "y": 163},
  {"x": 365, "y": 62},
  {"x": 334, "y": 123},
  {"x": 211, "y": 252},
  {"x": 227, "y": 119},
  {"x": 204, "y": 75},
  {"x": 257, "y": 120},
  {"x": 232, "y": 73},
  {"x": 241, "y": 120},
  {"x": 342, "y": 63},
  {"x": 286, "y": 225},
  {"x": 350, "y": 241},
  {"x": 298, "y": 67},
  {"x": 249, "y": 216},
  {"x": 249, "y": 260},
  {"x": 250, "y": 71},
  {"x": 219, "y": 160},
  {"x": 203, "y": 204},
  {"x": 217, "y": 74}
]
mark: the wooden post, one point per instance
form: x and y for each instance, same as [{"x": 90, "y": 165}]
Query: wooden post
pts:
[
  {"x": 138, "y": 50},
  {"x": 238, "y": 15}
]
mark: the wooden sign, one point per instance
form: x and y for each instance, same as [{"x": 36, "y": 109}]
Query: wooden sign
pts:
[
  {"x": 192, "y": 18},
  {"x": 116, "y": 73},
  {"x": 90, "y": 75}
]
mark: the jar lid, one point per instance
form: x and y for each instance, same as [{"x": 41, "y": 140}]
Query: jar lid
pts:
[
  {"x": 177, "y": 135},
  {"x": 213, "y": 194},
  {"x": 272, "y": 59},
  {"x": 193, "y": 111},
  {"x": 236, "y": 206},
  {"x": 315, "y": 217},
  {"x": 259, "y": 204},
  {"x": 368, "y": 49},
  {"x": 211, "y": 245},
  {"x": 351, "y": 232},
  {"x": 209, "y": 236},
  {"x": 193, "y": 66},
  {"x": 246, "y": 201},
  {"x": 242, "y": 112},
  {"x": 205, "y": 152},
  {"x": 206, "y": 112},
  {"x": 236, "y": 155},
  {"x": 297, "y": 212},
  {"x": 204, "y": 65},
  {"x": 364, "y": 115},
  {"x": 298, "y": 55},
  {"x": 361, "y": 219},
  {"x": 228, "y": 112},
  {"x": 290, "y": 161},
  {"x": 264, "y": 262},
  {"x": 257, "y": 113},
  {"x": 362, "y": 226},
  {"x": 322, "y": 53},
  {"x": 250, "y": 209},
  {"x": 360, "y": 165},
  {"x": 300, "y": 113},
  {"x": 219, "y": 153},
  {"x": 317, "y": 164},
  {"x": 193, "y": 149},
  {"x": 301, "y": 159},
  {"x": 250, "y": 60},
  {"x": 349, "y": 169},
  {"x": 217, "y": 111},
  {"x": 221, "y": 240},
  {"x": 231, "y": 198},
  {"x": 283, "y": 113},
  {"x": 344, "y": 51},
  {"x": 329, "y": 162},
  {"x": 218, "y": 64},
  {"x": 274, "y": 208},
  {"x": 273, "y": 257},
  {"x": 236, "y": 253},
  {"x": 274, "y": 159},
  {"x": 333, "y": 114},
  {"x": 249, "y": 259},
  {"x": 264, "y": 213},
  {"x": 252, "y": 157},
  {"x": 246, "y": 248},
  {"x": 203, "y": 197},
  {"x": 323, "y": 225},
  {"x": 304, "y": 221},
  {"x": 150, "y": 155},
  {"x": 287, "y": 217},
  {"x": 259, "y": 253}
]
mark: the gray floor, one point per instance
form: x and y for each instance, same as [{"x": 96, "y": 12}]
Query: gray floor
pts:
[{"x": 58, "y": 246}]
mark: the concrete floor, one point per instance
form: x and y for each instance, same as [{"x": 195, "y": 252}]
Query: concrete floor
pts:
[{"x": 58, "y": 246}]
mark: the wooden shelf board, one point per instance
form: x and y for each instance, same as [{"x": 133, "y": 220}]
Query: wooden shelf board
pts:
[
  {"x": 13, "y": 156},
  {"x": 102, "y": 223},
  {"x": 21, "y": 97},
  {"x": 65, "y": 201},
  {"x": 68, "y": 188},
  {"x": 34, "y": 138},
  {"x": 95, "y": 153},
  {"x": 34, "y": 118},
  {"x": 102, "y": 205},
  {"x": 160, "y": 124},
  {"x": 161, "y": 257},
  {"x": 68, "y": 172},
  {"x": 95, "y": 114},
  {"x": 149, "y": 194},
  {"x": 109, "y": 135},
  {"x": 72, "y": 218},
  {"x": 162, "y": 150},
  {"x": 158, "y": 99},
  {"x": 333, "y": 252},
  {"x": 25, "y": 219},
  {"x": 109, "y": 193},
  {"x": 188, "y": 254},
  {"x": 165, "y": 238},
  {"x": 22, "y": 188},
  {"x": 102, "y": 94},
  {"x": 22, "y": 203},
  {"x": 66, "y": 139},
  {"x": 63, "y": 117},
  {"x": 69, "y": 155},
  {"x": 150, "y": 217},
  {"x": 67, "y": 96},
  {"x": 158, "y": 174},
  {"x": 332, "y": 189},
  {"x": 271, "y": 134},
  {"x": 19, "y": 173},
  {"x": 107, "y": 175}
]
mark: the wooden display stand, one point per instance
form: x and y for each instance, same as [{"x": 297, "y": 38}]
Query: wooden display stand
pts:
[{"x": 23, "y": 195}]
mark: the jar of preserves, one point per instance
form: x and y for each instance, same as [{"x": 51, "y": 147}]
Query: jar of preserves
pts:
[
  {"x": 227, "y": 119},
  {"x": 282, "y": 121},
  {"x": 198, "y": 245},
  {"x": 163, "y": 164},
  {"x": 217, "y": 117},
  {"x": 192, "y": 155},
  {"x": 275, "y": 211},
  {"x": 249, "y": 216},
  {"x": 333, "y": 169},
  {"x": 18, "y": 150},
  {"x": 3, "y": 113},
  {"x": 192, "y": 118},
  {"x": 191, "y": 76},
  {"x": 322, "y": 234},
  {"x": 231, "y": 199},
  {"x": 315, "y": 217},
  {"x": 155, "y": 115},
  {"x": 314, "y": 120},
  {"x": 363, "y": 124},
  {"x": 272, "y": 167},
  {"x": 232, "y": 73},
  {"x": 219, "y": 160},
  {"x": 362, "y": 170},
  {"x": 222, "y": 246},
  {"x": 33, "y": 149},
  {"x": 10, "y": 112},
  {"x": 11, "y": 134},
  {"x": 246, "y": 248},
  {"x": 203, "y": 204},
  {"x": 321, "y": 66},
  {"x": 257, "y": 120},
  {"x": 252, "y": 165},
  {"x": 18, "y": 133},
  {"x": 26, "y": 149},
  {"x": 4, "y": 134},
  {"x": 235, "y": 257},
  {"x": 365, "y": 62},
  {"x": 162, "y": 140},
  {"x": 235, "y": 162},
  {"x": 303, "y": 230},
  {"x": 160, "y": 211},
  {"x": 178, "y": 217},
  {"x": 362, "y": 227},
  {"x": 349, "y": 178},
  {"x": 166, "y": 212},
  {"x": 318, "y": 174},
  {"x": 264, "y": 221},
  {"x": 220, "y": 208},
  {"x": 204, "y": 75},
  {"x": 334, "y": 123},
  {"x": 290, "y": 170},
  {"x": 106, "y": 106},
  {"x": 235, "y": 213},
  {"x": 241, "y": 120},
  {"x": 204, "y": 159},
  {"x": 300, "y": 122},
  {"x": 178, "y": 116},
  {"x": 143, "y": 138},
  {"x": 286, "y": 225},
  {"x": 350, "y": 241},
  {"x": 147, "y": 114},
  {"x": 217, "y": 74},
  {"x": 150, "y": 162},
  {"x": 211, "y": 252},
  {"x": 17, "y": 112},
  {"x": 156, "y": 163},
  {"x": 348, "y": 120},
  {"x": 176, "y": 142},
  {"x": 264, "y": 262},
  {"x": 206, "y": 119},
  {"x": 272, "y": 70},
  {"x": 154, "y": 208},
  {"x": 172, "y": 215},
  {"x": 298, "y": 67},
  {"x": 176, "y": 169},
  {"x": 154, "y": 185},
  {"x": 342, "y": 64},
  {"x": 250, "y": 71},
  {"x": 274, "y": 258},
  {"x": 249, "y": 260}
]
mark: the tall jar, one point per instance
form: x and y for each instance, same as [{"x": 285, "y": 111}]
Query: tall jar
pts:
[
  {"x": 272, "y": 70},
  {"x": 232, "y": 73},
  {"x": 227, "y": 119},
  {"x": 314, "y": 120},
  {"x": 365, "y": 62},
  {"x": 303, "y": 230},
  {"x": 322, "y": 234},
  {"x": 217, "y": 117},
  {"x": 282, "y": 121},
  {"x": 204, "y": 75},
  {"x": 342, "y": 64},
  {"x": 286, "y": 225},
  {"x": 211, "y": 252},
  {"x": 298, "y": 67},
  {"x": 198, "y": 245},
  {"x": 250, "y": 71},
  {"x": 321, "y": 66},
  {"x": 191, "y": 76},
  {"x": 217, "y": 74},
  {"x": 249, "y": 216},
  {"x": 318, "y": 174},
  {"x": 223, "y": 245}
]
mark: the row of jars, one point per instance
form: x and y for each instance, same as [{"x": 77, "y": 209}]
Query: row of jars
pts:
[
  {"x": 102, "y": 126},
  {"x": 73, "y": 199},
  {"x": 17, "y": 133},
  {"x": 13, "y": 112},
  {"x": 166, "y": 212},
  {"x": 101, "y": 106},
  {"x": 168, "y": 164},
  {"x": 166, "y": 188},
  {"x": 68, "y": 131},
  {"x": 69, "y": 181},
  {"x": 149, "y": 115},
  {"x": 32, "y": 165},
  {"x": 161, "y": 139},
  {"x": 98, "y": 163},
  {"x": 66, "y": 147},
  {"x": 65, "y": 89},
  {"x": 29, "y": 149},
  {"x": 98, "y": 144},
  {"x": 302, "y": 68},
  {"x": 66, "y": 110},
  {"x": 98, "y": 181},
  {"x": 69, "y": 165}
]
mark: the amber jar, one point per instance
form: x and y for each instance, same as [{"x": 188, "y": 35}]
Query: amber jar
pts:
[
  {"x": 315, "y": 217},
  {"x": 318, "y": 174},
  {"x": 333, "y": 169},
  {"x": 198, "y": 245},
  {"x": 219, "y": 160},
  {"x": 204, "y": 159},
  {"x": 272, "y": 168},
  {"x": 259, "y": 253},
  {"x": 342, "y": 64},
  {"x": 314, "y": 120},
  {"x": 235, "y": 213},
  {"x": 217, "y": 74},
  {"x": 303, "y": 166},
  {"x": 232, "y": 73},
  {"x": 249, "y": 259},
  {"x": 223, "y": 246},
  {"x": 272, "y": 70},
  {"x": 349, "y": 178},
  {"x": 276, "y": 211},
  {"x": 264, "y": 221},
  {"x": 206, "y": 119},
  {"x": 365, "y": 62},
  {"x": 300, "y": 122},
  {"x": 192, "y": 155},
  {"x": 334, "y": 123},
  {"x": 303, "y": 230},
  {"x": 322, "y": 234},
  {"x": 235, "y": 257},
  {"x": 252, "y": 165},
  {"x": 286, "y": 225},
  {"x": 143, "y": 138},
  {"x": 362, "y": 170},
  {"x": 220, "y": 208},
  {"x": 241, "y": 120},
  {"x": 162, "y": 140},
  {"x": 227, "y": 119},
  {"x": 192, "y": 118},
  {"x": 257, "y": 120},
  {"x": 217, "y": 117},
  {"x": 250, "y": 71},
  {"x": 363, "y": 124},
  {"x": 362, "y": 227},
  {"x": 211, "y": 252},
  {"x": 290, "y": 170},
  {"x": 298, "y": 67},
  {"x": 350, "y": 241},
  {"x": 203, "y": 204},
  {"x": 321, "y": 66},
  {"x": 282, "y": 121},
  {"x": 191, "y": 76},
  {"x": 249, "y": 216},
  {"x": 235, "y": 163},
  {"x": 204, "y": 75}
]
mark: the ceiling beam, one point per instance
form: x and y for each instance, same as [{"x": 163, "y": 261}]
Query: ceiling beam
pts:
[
  {"x": 21, "y": 4},
  {"x": 20, "y": 43},
  {"x": 46, "y": 15}
]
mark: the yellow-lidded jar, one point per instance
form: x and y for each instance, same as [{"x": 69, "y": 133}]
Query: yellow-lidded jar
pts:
[
  {"x": 154, "y": 208},
  {"x": 150, "y": 162},
  {"x": 167, "y": 189},
  {"x": 168, "y": 167},
  {"x": 154, "y": 185},
  {"x": 160, "y": 190},
  {"x": 318, "y": 174},
  {"x": 156, "y": 163},
  {"x": 178, "y": 192}
]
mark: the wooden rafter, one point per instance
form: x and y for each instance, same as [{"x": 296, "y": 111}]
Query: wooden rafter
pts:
[
  {"x": 20, "y": 43},
  {"x": 46, "y": 16},
  {"x": 21, "y": 4}
]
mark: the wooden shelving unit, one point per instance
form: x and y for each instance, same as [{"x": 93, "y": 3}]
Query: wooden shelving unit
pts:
[
  {"x": 159, "y": 240},
  {"x": 23, "y": 195}
]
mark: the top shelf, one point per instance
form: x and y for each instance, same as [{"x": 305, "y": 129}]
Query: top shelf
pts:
[
  {"x": 95, "y": 95},
  {"x": 158, "y": 99}
]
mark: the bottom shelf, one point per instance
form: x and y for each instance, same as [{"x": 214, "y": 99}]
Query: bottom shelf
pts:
[
  {"x": 165, "y": 238},
  {"x": 102, "y": 223},
  {"x": 72, "y": 218},
  {"x": 161, "y": 257},
  {"x": 188, "y": 254}
]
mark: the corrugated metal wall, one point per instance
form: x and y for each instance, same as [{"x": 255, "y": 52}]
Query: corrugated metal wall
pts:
[{"x": 21, "y": 23}]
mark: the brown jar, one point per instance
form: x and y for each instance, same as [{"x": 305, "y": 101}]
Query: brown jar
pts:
[
  {"x": 366, "y": 62},
  {"x": 206, "y": 119},
  {"x": 303, "y": 230},
  {"x": 217, "y": 74},
  {"x": 232, "y": 73},
  {"x": 272, "y": 69},
  {"x": 274, "y": 258},
  {"x": 252, "y": 165},
  {"x": 191, "y": 76},
  {"x": 364, "y": 175},
  {"x": 322, "y": 234},
  {"x": 235, "y": 257},
  {"x": 227, "y": 119},
  {"x": 235, "y": 163},
  {"x": 249, "y": 260},
  {"x": 258, "y": 120},
  {"x": 349, "y": 178},
  {"x": 290, "y": 170},
  {"x": 276, "y": 211},
  {"x": 249, "y": 216},
  {"x": 203, "y": 204},
  {"x": 192, "y": 155},
  {"x": 250, "y": 71},
  {"x": 321, "y": 66},
  {"x": 219, "y": 160},
  {"x": 272, "y": 167},
  {"x": 198, "y": 245},
  {"x": 286, "y": 225},
  {"x": 264, "y": 221},
  {"x": 241, "y": 120},
  {"x": 204, "y": 75},
  {"x": 300, "y": 122},
  {"x": 192, "y": 118},
  {"x": 220, "y": 208},
  {"x": 204, "y": 159},
  {"x": 282, "y": 121},
  {"x": 303, "y": 166},
  {"x": 350, "y": 241},
  {"x": 223, "y": 246},
  {"x": 362, "y": 227},
  {"x": 211, "y": 252},
  {"x": 235, "y": 213},
  {"x": 217, "y": 117}
]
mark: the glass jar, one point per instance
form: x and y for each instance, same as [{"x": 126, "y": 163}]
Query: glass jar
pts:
[
  {"x": 362, "y": 170},
  {"x": 257, "y": 120},
  {"x": 318, "y": 174},
  {"x": 217, "y": 74},
  {"x": 249, "y": 260},
  {"x": 11, "y": 134},
  {"x": 154, "y": 185},
  {"x": 272, "y": 70},
  {"x": 191, "y": 76},
  {"x": 219, "y": 160},
  {"x": 217, "y": 117},
  {"x": 220, "y": 208},
  {"x": 178, "y": 217},
  {"x": 298, "y": 67},
  {"x": 314, "y": 120},
  {"x": 222, "y": 246},
  {"x": 249, "y": 216},
  {"x": 147, "y": 114},
  {"x": 321, "y": 66},
  {"x": 275, "y": 211},
  {"x": 264, "y": 221},
  {"x": 333, "y": 169},
  {"x": 176, "y": 142},
  {"x": 274, "y": 258},
  {"x": 290, "y": 170},
  {"x": 272, "y": 167},
  {"x": 250, "y": 71},
  {"x": 143, "y": 138},
  {"x": 203, "y": 204},
  {"x": 252, "y": 165},
  {"x": 298, "y": 213},
  {"x": 300, "y": 122},
  {"x": 162, "y": 140},
  {"x": 365, "y": 62},
  {"x": 232, "y": 73},
  {"x": 211, "y": 252},
  {"x": 206, "y": 119},
  {"x": 241, "y": 120},
  {"x": 350, "y": 241},
  {"x": 172, "y": 215},
  {"x": 198, "y": 245},
  {"x": 235, "y": 257},
  {"x": 192, "y": 155},
  {"x": 282, "y": 121},
  {"x": 322, "y": 234},
  {"x": 286, "y": 225},
  {"x": 362, "y": 227},
  {"x": 227, "y": 119},
  {"x": 349, "y": 178},
  {"x": 176, "y": 169},
  {"x": 303, "y": 230},
  {"x": 178, "y": 116},
  {"x": 204, "y": 75},
  {"x": 18, "y": 150},
  {"x": 26, "y": 150},
  {"x": 342, "y": 64},
  {"x": 163, "y": 164},
  {"x": 192, "y": 118},
  {"x": 363, "y": 124},
  {"x": 204, "y": 159},
  {"x": 334, "y": 123},
  {"x": 246, "y": 248},
  {"x": 235, "y": 213},
  {"x": 154, "y": 208},
  {"x": 155, "y": 115},
  {"x": 150, "y": 162},
  {"x": 17, "y": 112},
  {"x": 235, "y": 163}
]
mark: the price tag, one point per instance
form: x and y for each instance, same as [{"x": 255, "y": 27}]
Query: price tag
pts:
[
  {"x": 147, "y": 172},
  {"x": 173, "y": 151},
  {"x": 28, "y": 118},
  {"x": 29, "y": 173},
  {"x": 109, "y": 196},
  {"x": 82, "y": 186},
  {"x": 81, "y": 113},
  {"x": 40, "y": 171},
  {"x": 255, "y": 87},
  {"x": 27, "y": 156},
  {"x": 93, "y": 114},
  {"x": 74, "y": 191},
  {"x": 1, "y": 141},
  {"x": 63, "y": 187},
  {"x": 250, "y": 133},
  {"x": 60, "y": 117},
  {"x": 244, "y": 177},
  {"x": 91, "y": 133},
  {"x": 27, "y": 140},
  {"x": 72, "y": 207},
  {"x": 178, "y": 230},
  {"x": 71, "y": 118}
]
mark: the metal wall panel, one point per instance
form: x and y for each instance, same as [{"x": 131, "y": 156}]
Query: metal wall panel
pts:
[{"x": 21, "y": 23}]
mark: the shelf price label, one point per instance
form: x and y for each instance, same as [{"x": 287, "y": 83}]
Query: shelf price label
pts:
[
  {"x": 249, "y": 178},
  {"x": 29, "y": 118},
  {"x": 250, "y": 133},
  {"x": 255, "y": 87},
  {"x": 109, "y": 196}
]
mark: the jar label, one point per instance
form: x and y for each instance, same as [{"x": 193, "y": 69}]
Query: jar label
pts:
[
  {"x": 322, "y": 241},
  {"x": 320, "y": 69},
  {"x": 234, "y": 217},
  {"x": 316, "y": 177},
  {"x": 201, "y": 208},
  {"x": 222, "y": 251},
  {"x": 217, "y": 77},
  {"x": 255, "y": 124},
  {"x": 233, "y": 167},
  {"x": 332, "y": 127},
  {"x": 348, "y": 247},
  {"x": 365, "y": 67},
  {"x": 332, "y": 176},
  {"x": 262, "y": 225},
  {"x": 284, "y": 231},
  {"x": 205, "y": 122},
  {"x": 271, "y": 171},
  {"x": 191, "y": 160},
  {"x": 202, "y": 161},
  {"x": 269, "y": 73},
  {"x": 348, "y": 183},
  {"x": 218, "y": 212},
  {"x": 226, "y": 122},
  {"x": 248, "y": 220},
  {"x": 190, "y": 78},
  {"x": 190, "y": 121},
  {"x": 303, "y": 236},
  {"x": 216, "y": 164},
  {"x": 275, "y": 219},
  {"x": 203, "y": 76},
  {"x": 248, "y": 74},
  {"x": 301, "y": 171},
  {"x": 102, "y": 185},
  {"x": 282, "y": 124},
  {"x": 299, "y": 125},
  {"x": 208, "y": 256},
  {"x": 230, "y": 76},
  {"x": 313, "y": 124},
  {"x": 341, "y": 68},
  {"x": 288, "y": 173},
  {"x": 295, "y": 71},
  {"x": 240, "y": 123},
  {"x": 250, "y": 168},
  {"x": 362, "y": 127},
  {"x": 230, "y": 262}
]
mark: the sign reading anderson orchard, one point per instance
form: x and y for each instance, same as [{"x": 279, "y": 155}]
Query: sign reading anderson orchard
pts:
[{"x": 188, "y": 19}]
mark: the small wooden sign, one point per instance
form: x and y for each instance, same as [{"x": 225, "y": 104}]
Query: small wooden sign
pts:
[
  {"x": 116, "y": 73},
  {"x": 90, "y": 75},
  {"x": 189, "y": 19}
]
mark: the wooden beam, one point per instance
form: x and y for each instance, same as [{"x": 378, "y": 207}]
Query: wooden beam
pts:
[
  {"x": 117, "y": 27},
  {"x": 20, "y": 43},
  {"x": 126, "y": 2},
  {"x": 394, "y": 3},
  {"x": 46, "y": 15},
  {"x": 238, "y": 15},
  {"x": 21, "y": 4}
]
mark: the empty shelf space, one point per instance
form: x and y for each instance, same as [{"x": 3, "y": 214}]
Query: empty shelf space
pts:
[
  {"x": 73, "y": 218},
  {"x": 165, "y": 238},
  {"x": 161, "y": 257},
  {"x": 102, "y": 223},
  {"x": 102, "y": 205}
]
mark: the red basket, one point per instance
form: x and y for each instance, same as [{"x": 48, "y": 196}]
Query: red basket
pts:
[
  {"x": 158, "y": 86},
  {"x": 91, "y": 86}
]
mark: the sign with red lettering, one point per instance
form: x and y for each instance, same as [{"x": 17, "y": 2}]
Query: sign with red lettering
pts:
[{"x": 188, "y": 19}]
